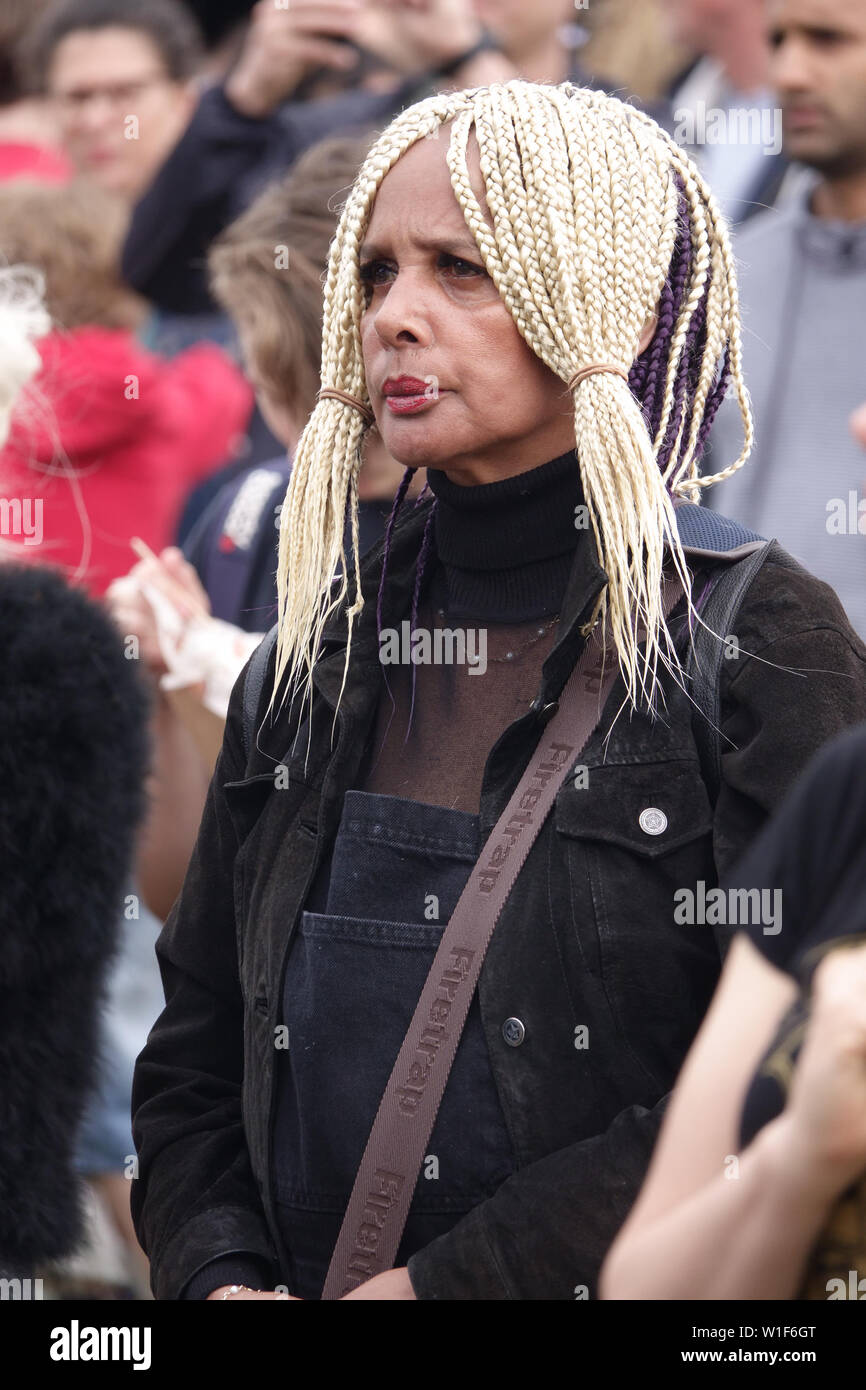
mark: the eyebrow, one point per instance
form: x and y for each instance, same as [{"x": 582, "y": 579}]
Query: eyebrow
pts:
[{"x": 455, "y": 246}]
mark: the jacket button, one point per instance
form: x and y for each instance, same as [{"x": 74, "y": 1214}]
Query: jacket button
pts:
[
  {"x": 653, "y": 821},
  {"x": 513, "y": 1032},
  {"x": 544, "y": 711}
]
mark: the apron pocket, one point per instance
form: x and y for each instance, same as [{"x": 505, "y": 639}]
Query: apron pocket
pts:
[{"x": 350, "y": 991}]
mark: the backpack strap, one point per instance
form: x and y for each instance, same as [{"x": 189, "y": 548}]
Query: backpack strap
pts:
[
  {"x": 706, "y": 653},
  {"x": 703, "y": 532},
  {"x": 254, "y": 682},
  {"x": 719, "y": 610}
]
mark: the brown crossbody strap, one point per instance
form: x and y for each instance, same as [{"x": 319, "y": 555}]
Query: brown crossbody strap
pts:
[{"x": 379, "y": 1205}]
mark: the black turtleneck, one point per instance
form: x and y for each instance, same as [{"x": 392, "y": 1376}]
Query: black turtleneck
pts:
[
  {"x": 503, "y": 556},
  {"x": 506, "y": 549}
]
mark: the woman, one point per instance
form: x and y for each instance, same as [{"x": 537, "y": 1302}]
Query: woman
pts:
[{"x": 533, "y": 295}]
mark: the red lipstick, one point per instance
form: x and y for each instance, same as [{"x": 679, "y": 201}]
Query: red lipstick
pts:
[{"x": 407, "y": 395}]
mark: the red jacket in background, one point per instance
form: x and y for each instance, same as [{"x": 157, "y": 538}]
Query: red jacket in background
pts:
[
  {"x": 109, "y": 443},
  {"x": 24, "y": 160}
]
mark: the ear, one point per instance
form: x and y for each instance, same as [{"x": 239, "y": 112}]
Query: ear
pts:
[{"x": 647, "y": 334}]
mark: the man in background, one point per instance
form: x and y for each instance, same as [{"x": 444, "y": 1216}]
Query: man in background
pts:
[
  {"x": 120, "y": 77},
  {"x": 803, "y": 295}
]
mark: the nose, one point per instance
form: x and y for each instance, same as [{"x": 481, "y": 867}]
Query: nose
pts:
[
  {"x": 790, "y": 68},
  {"x": 403, "y": 316},
  {"x": 95, "y": 114}
]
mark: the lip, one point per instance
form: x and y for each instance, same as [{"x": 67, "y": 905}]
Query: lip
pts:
[
  {"x": 404, "y": 386},
  {"x": 408, "y": 395},
  {"x": 800, "y": 116}
]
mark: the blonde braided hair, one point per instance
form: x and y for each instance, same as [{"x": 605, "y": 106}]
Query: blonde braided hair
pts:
[{"x": 586, "y": 196}]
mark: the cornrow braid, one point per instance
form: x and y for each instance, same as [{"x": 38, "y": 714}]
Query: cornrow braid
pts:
[{"x": 597, "y": 221}]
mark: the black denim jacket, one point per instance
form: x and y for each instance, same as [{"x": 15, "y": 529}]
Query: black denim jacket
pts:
[{"x": 587, "y": 940}]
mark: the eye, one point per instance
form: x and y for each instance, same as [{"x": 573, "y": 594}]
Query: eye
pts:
[
  {"x": 370, "y": 270},
  {"x": 463, "y": 269},
  {"x": 826, "y": 38}
]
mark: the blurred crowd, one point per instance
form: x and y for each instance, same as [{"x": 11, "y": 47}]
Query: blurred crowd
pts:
[{"x": 170, "y": 180}]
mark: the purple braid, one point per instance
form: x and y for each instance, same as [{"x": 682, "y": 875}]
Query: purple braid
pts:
[
  {"x": 685, "y": 382},
  {"x": 422, "y": 494},
  {"x": 423, "y": 556},
  {"x": 714, "y": 399},
  {"x": 670, "y": 303},
  {"x": 648, "y": 375},
  {"x": 389, "y": 530}
]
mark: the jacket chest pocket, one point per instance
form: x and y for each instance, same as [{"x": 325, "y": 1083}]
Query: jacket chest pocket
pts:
[{"x": 630, "y": 836}]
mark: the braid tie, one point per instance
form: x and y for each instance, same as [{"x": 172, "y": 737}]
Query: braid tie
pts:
[
  {"x": 363, "y": 410},
  {"x": 591, "y": 371}
]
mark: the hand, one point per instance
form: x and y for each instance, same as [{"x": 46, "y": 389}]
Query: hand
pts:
[
  {"x": 827, "y": 1106},
  {"x": 283, "y": 46},
  {"x": 390, "y": 1284},
  {"x": 249, "y": 1295},
  {"x": 133, "y": 615},
  {"x": 415, "y": 35}
]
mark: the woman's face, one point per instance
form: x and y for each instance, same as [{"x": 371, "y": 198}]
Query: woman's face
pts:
[{"x": 483, "y": 406}]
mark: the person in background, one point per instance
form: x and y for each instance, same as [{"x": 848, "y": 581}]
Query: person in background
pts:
[
  {"x": 762, "y": 1139},
  {"x": 803, "y": 292},
  {"x": 120, "y": 76},
  {"x": 29, "y": 136},
  {"x": 252, "y": 127},
  {"x": 121, "y": 79},
  {"x": 266, "y": 270},
  {"x": 729, "y": 80},
  {"x": 73, "y": 756},
  {"x": 126, "y": 433}
]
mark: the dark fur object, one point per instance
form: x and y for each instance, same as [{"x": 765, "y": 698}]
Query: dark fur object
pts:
[{"x": 73, "y": 759}]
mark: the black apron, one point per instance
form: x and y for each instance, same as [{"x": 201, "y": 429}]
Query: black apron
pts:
[{"x": 354, "y": 974}]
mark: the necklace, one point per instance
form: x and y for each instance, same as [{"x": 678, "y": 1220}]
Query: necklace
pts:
[{"x": 512, "y": 655}]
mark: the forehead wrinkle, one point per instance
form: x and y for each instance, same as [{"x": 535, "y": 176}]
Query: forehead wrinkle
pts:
[
  {"x": 455, "y": 235},
  {"x": 453, "y": 243}
]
